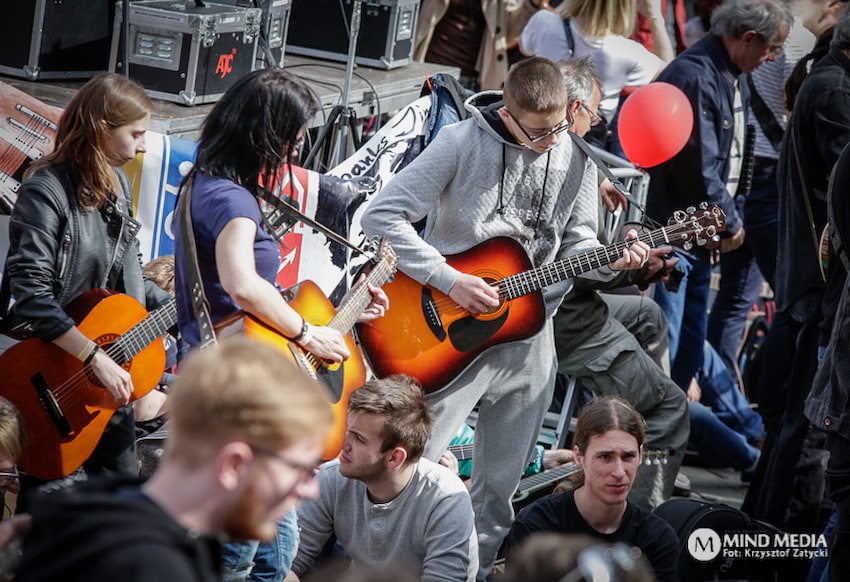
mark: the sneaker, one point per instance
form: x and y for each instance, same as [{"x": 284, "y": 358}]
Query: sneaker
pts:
[{"x": 682, "y": 486}]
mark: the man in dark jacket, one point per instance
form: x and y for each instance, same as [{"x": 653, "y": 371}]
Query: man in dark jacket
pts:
[
  {"x": 744, "y": 34},
  {"x": 828, "y": 404},
  {"x": 246, "y": 431},
  {"x": 818, "y": 131}
]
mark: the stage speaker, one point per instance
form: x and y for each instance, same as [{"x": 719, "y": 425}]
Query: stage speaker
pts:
[
  {"x": 273, "y": 30},
  {"x": 55, "y": 39},
  {"x": 320, "y": 28}
]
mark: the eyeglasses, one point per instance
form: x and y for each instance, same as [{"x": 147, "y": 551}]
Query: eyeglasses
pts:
[
  {"x": 308, "y": 472},
  {"x": 9, "y": 477},
  {"x": 561, "y": 127},
  {"x": 772, "y": 49},
  {"x": 594, "y": 117}
]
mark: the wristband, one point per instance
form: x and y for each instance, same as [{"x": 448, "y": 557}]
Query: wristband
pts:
[
  {"x": 88, "y": 353},
  {"x": 306, "y": 335},
  {"x": 535, "y": 464},
  {"x": 297, "y": 338}
]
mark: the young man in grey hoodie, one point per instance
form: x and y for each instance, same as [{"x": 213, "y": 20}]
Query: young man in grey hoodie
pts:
[{"x": 510, "y": 170}]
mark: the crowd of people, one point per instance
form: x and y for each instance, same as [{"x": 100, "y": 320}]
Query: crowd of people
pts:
[{"x": 245, "y": 489}]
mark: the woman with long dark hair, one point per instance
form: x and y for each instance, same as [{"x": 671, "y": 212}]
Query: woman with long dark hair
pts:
[{"x": 253, "y": 132}]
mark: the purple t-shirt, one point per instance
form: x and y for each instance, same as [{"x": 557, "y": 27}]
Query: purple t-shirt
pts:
[{"x": 215, "y": 202}]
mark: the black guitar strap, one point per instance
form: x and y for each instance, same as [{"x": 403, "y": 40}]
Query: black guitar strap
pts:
[{"x": 285, "y": 208}]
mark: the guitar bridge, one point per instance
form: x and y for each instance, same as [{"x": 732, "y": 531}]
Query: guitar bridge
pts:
[
  {"x": 51, "y": 405},
  {"x": 432, "y": 316}
]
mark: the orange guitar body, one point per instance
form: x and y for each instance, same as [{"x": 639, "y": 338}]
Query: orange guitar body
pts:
[
  {"x": 31, "y": 365},
  {"x": 426, "y": 335},
  {"x": 341, "y": 379}
]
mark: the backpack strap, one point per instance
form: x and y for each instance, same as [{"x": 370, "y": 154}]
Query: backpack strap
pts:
[{"x": 568, "y": 32}]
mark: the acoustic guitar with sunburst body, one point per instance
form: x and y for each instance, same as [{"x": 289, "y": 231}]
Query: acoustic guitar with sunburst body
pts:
[
  {"x": 308, "y": 300},
  {"x": 428, "y": 336}
]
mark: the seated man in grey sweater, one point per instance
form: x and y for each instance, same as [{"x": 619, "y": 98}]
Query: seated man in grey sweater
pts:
[{"x": 384, "y": 503}]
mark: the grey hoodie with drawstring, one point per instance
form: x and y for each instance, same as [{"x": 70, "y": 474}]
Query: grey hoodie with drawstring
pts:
[{"x": 473, "y": 183}]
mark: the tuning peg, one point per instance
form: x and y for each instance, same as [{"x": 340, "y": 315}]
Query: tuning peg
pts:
[
  {"x": 711, "y": 231},
  {"x": 701, "y": 241},
  {"x": 679, "y": 216},
  {"x": 703, "y": 205},
  {"x": 687, "y": 245},
  {"x": 690, "y": 209}
]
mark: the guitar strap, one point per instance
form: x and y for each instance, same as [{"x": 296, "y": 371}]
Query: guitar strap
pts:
[
  {"x": 809, "y": 214},
  {"x": 603, "y": 167},
  {"x": 287, "y": 209},
  {"x": 193, "y": 272}
]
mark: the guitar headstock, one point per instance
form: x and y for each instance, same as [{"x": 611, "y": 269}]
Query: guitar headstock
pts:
[
  {"x": 384, "y": 255},
  {"x": 699, "y": 225}
]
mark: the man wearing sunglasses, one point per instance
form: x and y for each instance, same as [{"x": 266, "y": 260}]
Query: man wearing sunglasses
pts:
[
  {"x": 246, "y": 431},
  {"x": 510, "y": 170}
]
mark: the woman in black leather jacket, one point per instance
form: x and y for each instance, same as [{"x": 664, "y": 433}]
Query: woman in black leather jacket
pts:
[{"x": 71, "y": 231}]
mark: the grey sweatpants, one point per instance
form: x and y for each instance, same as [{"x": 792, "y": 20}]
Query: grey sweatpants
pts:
[
  {"x": 513, "y": 384},
  {"x": 613, "y": 362}
]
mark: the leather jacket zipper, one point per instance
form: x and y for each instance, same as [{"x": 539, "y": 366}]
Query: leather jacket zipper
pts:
[{"x": 66, "y": 245}]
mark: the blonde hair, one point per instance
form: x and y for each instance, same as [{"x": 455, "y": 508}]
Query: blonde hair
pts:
[
  {"x": 13, "y": 434},
  {"x": 161, "y": 271},
  {"x": 103, "y": 103},
  {"x": 242, "y": 390},
  {"x": 600, "y": 18}
]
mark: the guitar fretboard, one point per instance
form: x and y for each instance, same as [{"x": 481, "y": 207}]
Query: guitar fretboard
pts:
[
  {"x": 535, "y": 279},
  {"x": 347, "y": 313},
  {"x": 144, "y": 333}
]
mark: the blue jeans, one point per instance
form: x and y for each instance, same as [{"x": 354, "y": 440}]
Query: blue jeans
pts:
[
  {"x": 761, "y": 219},
  {"x": 819, "y": 570},
  {"x": 267, "y": 562},
  {"x": 720, "y": 392},
  {"x": 687, "y": 315},
  {"x": 717, "y": 444},
  {"x": 740, "y": 287}
]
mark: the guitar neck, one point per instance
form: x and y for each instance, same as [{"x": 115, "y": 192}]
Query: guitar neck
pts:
[
  {"x": 347, "y": 313},
  {"x": 144, "y": 333},
  {"x": 535, "y": 279},
  {"x": 462, "y": 452}
]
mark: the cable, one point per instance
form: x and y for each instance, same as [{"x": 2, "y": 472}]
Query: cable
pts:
[{"x": 358, "y": 75}]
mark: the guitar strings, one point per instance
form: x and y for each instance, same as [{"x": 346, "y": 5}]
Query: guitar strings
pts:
[
  {"x": 341, "y": 321},
  {"x": 136, "y": 339},
  {"x": 12, "y": 157},
  {"x": 448, "y": 306}
]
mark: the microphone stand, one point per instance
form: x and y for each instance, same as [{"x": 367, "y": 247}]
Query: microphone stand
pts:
[
  {"x": 342, "y": 115},
  {"x": 347, "y": 114}
]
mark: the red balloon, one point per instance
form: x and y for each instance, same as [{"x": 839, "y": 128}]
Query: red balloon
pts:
[{"x": 655, "y": 124}]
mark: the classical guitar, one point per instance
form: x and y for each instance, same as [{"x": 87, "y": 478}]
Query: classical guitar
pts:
[
  {"x": 428, "y": 336},
  {"x": 309, "y": 301},
  {"x": 64, "y": 406},
  {"x": 27, "y": 132}
]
